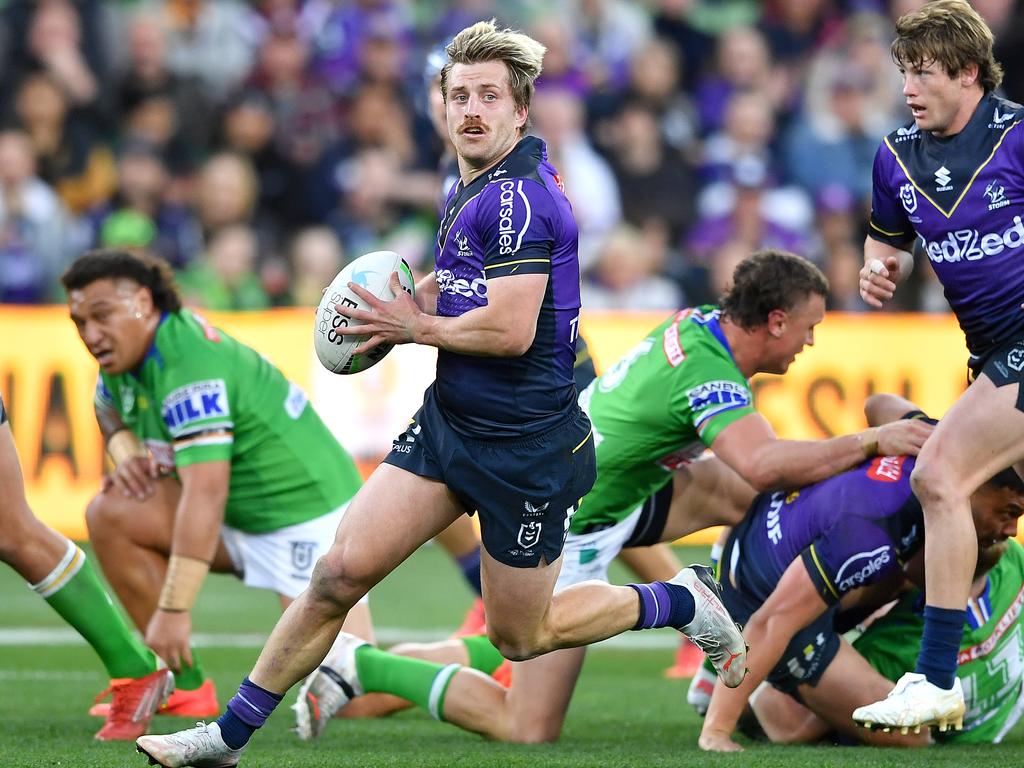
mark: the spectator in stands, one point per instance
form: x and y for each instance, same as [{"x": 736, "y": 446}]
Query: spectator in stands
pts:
[
  {"x": 610, "y": 34},
  {"x": 626, "y": 275},
  {"x": 746, "y": 133},
  {"x": 35, "y": 239},
  {"x": 656, "y": 184},
  {"x": 558, "y": 118},
  {"x": 69, "y": 153},
  {"x": 316, "y": 257},
  {"x": 139, "y": 215},
  {"x": 223, "y": 278},
  {"x": 210, "y": 40},
  {"x": 148, "y": 95}
]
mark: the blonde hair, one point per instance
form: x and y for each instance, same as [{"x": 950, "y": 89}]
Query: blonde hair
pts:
[
  {"x": 483, "y": 41},
  {"x": 953, "y": 35}
]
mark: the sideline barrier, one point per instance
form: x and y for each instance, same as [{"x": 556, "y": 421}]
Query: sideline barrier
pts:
[{"x": 47, "y": 379}]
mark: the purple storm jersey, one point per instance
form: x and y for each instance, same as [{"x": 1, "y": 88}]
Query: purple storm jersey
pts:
[
  {"x": 512, "y": 220},
  {"x": 963, "y": 197},
  {"x": 853, "y": 529}
]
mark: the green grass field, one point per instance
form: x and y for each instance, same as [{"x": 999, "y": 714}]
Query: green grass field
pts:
[{"x": 624, "y": 712}]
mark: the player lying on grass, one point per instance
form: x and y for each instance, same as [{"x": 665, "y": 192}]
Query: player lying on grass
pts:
[
  {"x": 785, "y": 568},
  {"x": 682, "y": 390},
  {"x": 211, "y": 446},
  {"x": 989, "y": 662},
  {"x": 59, "y": 571}
]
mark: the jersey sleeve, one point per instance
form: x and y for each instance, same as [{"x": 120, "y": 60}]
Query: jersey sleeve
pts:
[
  {"x": 196, "y": 407},
  {"x": 516, "y": 227},
  {"x": 720, "y": 397},
  {"x": 889, "y": 223},
  {"x": 852, "y": 553},
  {"x": 104, "y": 396}
]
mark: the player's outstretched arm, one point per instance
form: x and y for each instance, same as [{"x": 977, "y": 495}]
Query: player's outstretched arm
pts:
[
  {"x": 793, "y": 605},
  {"x": 884, "y": 267},
  {"x": 197, "y": 523},
  {"x": 750, "y": 446}
]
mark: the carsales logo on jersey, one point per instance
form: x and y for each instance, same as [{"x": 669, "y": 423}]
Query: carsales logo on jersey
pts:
[
  {"x": 973, "y": 245},
  {"x": 508, "y": 241},
  {"x": 860, "y": 568}
]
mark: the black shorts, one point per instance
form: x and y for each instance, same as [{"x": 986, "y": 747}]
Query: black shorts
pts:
[
  {"x": 1003, "y": 364},
  {"x": 653, "y": 516},
  {"x": 526, "y": 489},
  {"x": 807, "y": 655},
  {"x": 3, "y": 413}
]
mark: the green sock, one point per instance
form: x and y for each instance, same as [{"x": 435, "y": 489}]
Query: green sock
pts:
[
  {"x": 482, "y": 654},
  {"x": 189, "y": 678},
  {"x": 73, "y": 590},
  {"x": 421, "y": 682}
]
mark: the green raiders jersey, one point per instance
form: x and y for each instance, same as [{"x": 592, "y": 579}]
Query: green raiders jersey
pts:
[
  {"x": 657, "y": 409},
  {"x": 991, "y": 658},
  {"x": 200, "y": 396}
]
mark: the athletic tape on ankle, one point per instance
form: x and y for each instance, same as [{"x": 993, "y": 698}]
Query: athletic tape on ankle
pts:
[
  {"x": 124, "y": 445},
  {"x": 184, "y": 578}
]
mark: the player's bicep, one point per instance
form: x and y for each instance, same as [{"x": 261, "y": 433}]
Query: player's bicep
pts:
[
  {"x": 517, "y": 229},
  {"x": 198, "y": 415}
]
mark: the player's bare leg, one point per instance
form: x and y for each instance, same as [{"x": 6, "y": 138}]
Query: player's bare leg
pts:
[
  {"x": 849, "y": 682},
  {"x": 982, "y": 434}
]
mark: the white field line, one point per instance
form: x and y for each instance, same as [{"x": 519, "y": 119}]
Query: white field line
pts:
[{"x": 54, "y": 636}]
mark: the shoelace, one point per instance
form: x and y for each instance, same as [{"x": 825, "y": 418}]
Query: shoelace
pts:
[{"x": 188, "y": 739}]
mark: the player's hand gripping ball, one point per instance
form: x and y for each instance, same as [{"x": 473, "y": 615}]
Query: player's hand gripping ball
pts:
[{"x": 372, "y": 272}]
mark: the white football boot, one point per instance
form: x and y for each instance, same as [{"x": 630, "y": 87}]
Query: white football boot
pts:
[
  {"x": 915, "y": 703},
  {"x": 698, "y": 695},
  {"x": 199, "y": 747},
  {"x": 712, "y": 629},
  {"x": 330, "y": 687}
]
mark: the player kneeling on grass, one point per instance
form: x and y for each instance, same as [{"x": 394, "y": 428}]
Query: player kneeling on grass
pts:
[
  {"x": 988, "y": 665},
  {"x": 220, "y": 462},
  {"x": 58, "y": 570},
  {"x": 785, "y": 568}
]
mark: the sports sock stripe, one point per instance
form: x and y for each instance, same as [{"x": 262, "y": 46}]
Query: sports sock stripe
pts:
[
  {"x": 65, "y": 570},
  {"x": 435, "y": 702}
]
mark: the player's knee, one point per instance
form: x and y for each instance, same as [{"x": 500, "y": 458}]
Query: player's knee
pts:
[
  {"x": 336, "y": 582},
  {"x": 515, "y": 645},
  {"x": 533, "y": 732},
  {"x": 932, "y": 482},
  {"x": 102, "y": 515}
]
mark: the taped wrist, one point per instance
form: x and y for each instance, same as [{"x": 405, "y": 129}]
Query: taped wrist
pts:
[
  {"x": 124, "y": 445},
  {"x": 184, "y": 578},
  {"x": 869, "y": 442}
]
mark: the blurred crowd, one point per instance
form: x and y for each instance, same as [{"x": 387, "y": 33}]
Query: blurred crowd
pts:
[{"x": 258, "y": 146}]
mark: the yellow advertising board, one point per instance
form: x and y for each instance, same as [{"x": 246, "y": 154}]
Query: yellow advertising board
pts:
[{"x": 47, "y": 380}]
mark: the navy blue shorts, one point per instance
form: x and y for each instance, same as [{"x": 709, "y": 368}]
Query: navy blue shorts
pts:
[
  {"x": 3, "y": 413},
  {"x": 1004, "y": 365},
  {"x": 526, "y": 489},
  {"x": 807, "y": 655}
]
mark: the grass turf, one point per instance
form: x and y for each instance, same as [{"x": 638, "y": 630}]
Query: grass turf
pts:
[{"x": 624, "y": 712}]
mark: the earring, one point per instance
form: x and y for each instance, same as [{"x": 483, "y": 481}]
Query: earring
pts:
[{"x": 138, "y": 315}]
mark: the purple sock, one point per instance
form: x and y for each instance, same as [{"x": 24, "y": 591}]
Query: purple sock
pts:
[
  {"x": 247, "y": 711},
  {"x": 663, "y": 605},
  {"x": 470, "y": 565}
]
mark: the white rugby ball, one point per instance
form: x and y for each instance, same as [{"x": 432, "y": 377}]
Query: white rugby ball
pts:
[{"x": 372, "y": 272}]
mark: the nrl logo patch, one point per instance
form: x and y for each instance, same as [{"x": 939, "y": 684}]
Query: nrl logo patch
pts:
[
  {"x": 908, "y": 197},
  {"x": 1015, "y": 359},
  {"x": 529, "y": 534}
]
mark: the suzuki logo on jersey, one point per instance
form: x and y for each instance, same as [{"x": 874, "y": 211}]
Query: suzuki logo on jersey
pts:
[
  {"x": 887, "y": 469},
  {"x": 718, "y": 393},
  {"x": 971, "y": 245},
  {"x": 908, "y": 196},
  {"x": 860, "y": 568},
  {"x": 996, "y": 194},
  {"x": 942, "y": 179},
  {"x": 529, "y": 534},
  {"x": 447, "y": 282},
  {"x": 194, "y": 402}
]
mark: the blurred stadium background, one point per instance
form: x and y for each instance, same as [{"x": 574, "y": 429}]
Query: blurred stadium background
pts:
[{"x": 260, "y": 146}]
